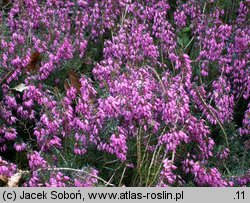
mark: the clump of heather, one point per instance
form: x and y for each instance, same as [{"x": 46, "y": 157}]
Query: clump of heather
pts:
[{"x": 135, "y": 93}]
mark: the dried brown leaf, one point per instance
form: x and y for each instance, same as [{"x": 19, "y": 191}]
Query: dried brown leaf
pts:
[
  {"x": 4, "y": 178},
  {"x": 75, "y": 82},
  {"x": 66, "y": 85},
  {"x": 35, "y": 58}
]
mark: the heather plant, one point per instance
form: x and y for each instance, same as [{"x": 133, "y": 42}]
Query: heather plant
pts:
[{"x": 134, "y": 93}]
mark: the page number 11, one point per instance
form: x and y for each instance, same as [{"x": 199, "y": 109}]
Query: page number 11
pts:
[{"x": 240, "y": 195}]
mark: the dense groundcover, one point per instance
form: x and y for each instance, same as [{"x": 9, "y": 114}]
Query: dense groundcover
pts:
[{"x": 124, "y": 93}]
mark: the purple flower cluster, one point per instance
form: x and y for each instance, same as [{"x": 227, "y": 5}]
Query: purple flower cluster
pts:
[
  {"x": 163, "y": 76},
  {"x": 245, "y": 130},
  {"x": 167, "y": 175},
  {"x": 7, "y": 169},
  {"x": 204, "y": 176}
]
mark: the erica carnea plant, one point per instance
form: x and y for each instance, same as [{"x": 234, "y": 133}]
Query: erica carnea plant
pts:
[{"x": 134, "y": 93}]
